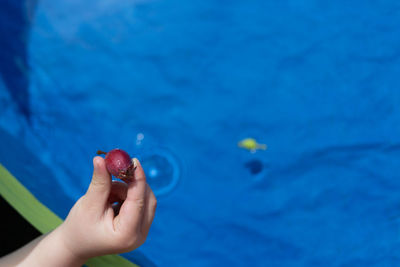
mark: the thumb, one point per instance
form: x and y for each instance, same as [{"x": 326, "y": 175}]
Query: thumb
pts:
[{"x": 100, "y": 186}]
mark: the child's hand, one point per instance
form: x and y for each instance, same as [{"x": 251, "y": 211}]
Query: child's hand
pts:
[{"x": 94, "y": 226}]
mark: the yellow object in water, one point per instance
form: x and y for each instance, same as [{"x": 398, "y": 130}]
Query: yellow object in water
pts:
[{"x": 251, "y": 144}]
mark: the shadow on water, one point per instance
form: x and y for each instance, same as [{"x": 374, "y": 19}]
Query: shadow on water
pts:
[
  {"x": 15, "y": 19},
  {"x": 254, "y": 166}
]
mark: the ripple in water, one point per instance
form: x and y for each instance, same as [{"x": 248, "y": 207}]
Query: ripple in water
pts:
[{"x": 162, "y": 171}]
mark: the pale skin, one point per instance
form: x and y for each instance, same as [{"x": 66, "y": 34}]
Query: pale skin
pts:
[{"x": 94, "y": 227}]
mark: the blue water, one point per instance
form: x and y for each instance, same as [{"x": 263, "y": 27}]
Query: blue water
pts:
[{"x": 316, "y": 81}]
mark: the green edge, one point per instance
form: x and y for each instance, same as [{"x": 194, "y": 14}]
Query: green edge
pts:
[{"x": 41, "y": 217}]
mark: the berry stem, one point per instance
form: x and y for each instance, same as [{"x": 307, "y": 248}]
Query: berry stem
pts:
[{"x": 99, "y": 152}]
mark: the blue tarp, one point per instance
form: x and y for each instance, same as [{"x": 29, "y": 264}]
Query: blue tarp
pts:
[{"x": 317, "y": 81}]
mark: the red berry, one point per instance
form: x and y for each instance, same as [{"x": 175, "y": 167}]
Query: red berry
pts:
[{"x": 119, "y": 164}]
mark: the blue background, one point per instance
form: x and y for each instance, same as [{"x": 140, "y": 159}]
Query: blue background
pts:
[{"x": 317, "y": 81}]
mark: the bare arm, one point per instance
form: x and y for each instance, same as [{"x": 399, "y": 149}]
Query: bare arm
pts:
[
  {"x": 19, "y": 255},
  {"x": 46, "y": 250}
]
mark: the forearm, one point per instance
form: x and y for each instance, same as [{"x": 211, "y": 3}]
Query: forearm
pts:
[
  {"x": 19, "y": 255},
  {"x": 46, "y": 250}
]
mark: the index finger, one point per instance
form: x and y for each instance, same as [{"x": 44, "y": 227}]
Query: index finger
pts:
[{"x": 132, "y": 210}]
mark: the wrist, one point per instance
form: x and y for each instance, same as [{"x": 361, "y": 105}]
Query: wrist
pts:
[
  {"x": 71, "y": 257},
  {"x": 52, "y": 251}
]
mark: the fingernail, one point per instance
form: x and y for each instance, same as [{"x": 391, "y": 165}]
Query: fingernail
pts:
[
  {"x": 135, "y": 162},
  {"x": 96, "y": 163}
]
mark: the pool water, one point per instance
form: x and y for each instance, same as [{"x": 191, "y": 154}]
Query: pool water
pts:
[{"x": 179, "y": 83}]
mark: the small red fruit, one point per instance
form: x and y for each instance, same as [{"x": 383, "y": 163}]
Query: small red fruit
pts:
[{"x": 119, "y": 164}]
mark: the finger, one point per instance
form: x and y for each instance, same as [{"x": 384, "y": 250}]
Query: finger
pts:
[
  {"x": 118, "y": 192},
  {"x": 100, "y": 186},
  {"x": 150, "y": 210},
  {"x": 130, "y": 215}
]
